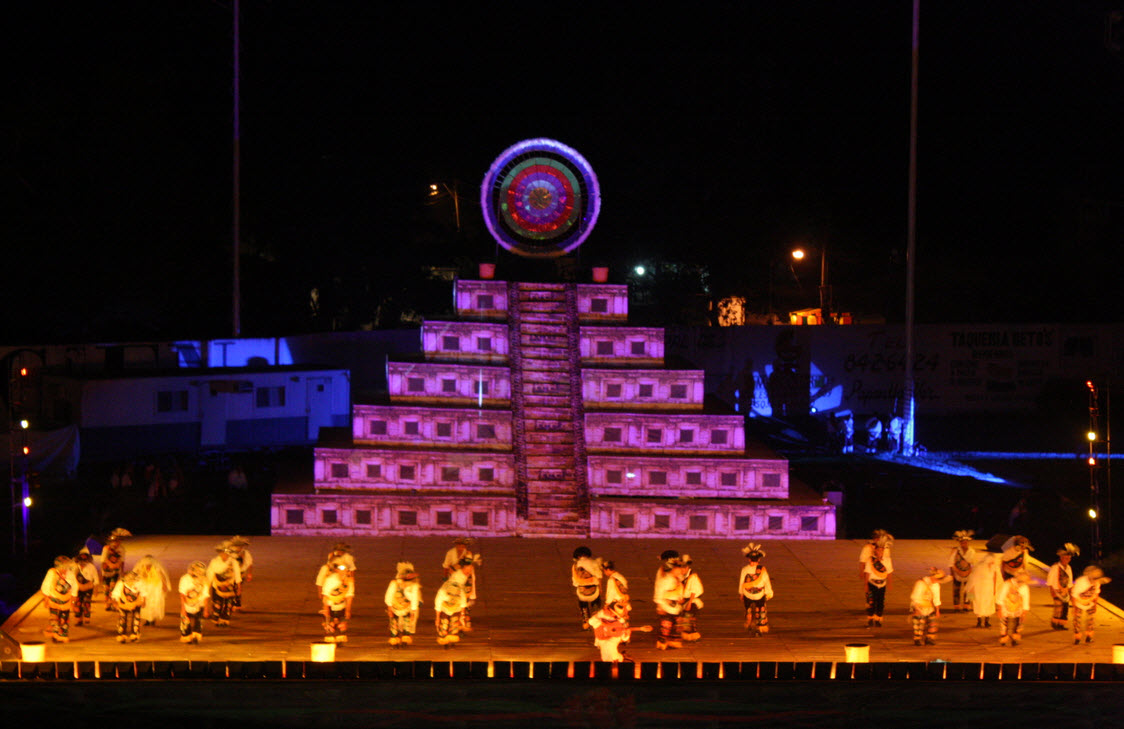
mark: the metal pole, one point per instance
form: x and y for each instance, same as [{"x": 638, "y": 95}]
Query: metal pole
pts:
[
  {"x": 1107, "y": 535},
  {"x": 1094, "y": 490},
  {"x": 236, "y": 303},
  {"x": 911, "y": 246}
]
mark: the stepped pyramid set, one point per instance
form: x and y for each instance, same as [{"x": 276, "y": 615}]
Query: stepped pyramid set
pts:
[{"x": 540, "y": 412}]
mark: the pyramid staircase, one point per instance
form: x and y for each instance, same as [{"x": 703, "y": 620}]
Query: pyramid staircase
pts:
[{"x": 552, "y": 497}]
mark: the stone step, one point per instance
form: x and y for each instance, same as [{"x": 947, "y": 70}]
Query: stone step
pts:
[
  {"x": 549, "y": 413},
  {"x": 541, "y": 307},
  {"x": 558, "y": 437},
  {"x": 546, "y": 365},
  {"x": 557, "y": 354},
  {"x": 557, "y": 521},
  {"x": 556, "y": 468},
  {"x": 547, "y": 401},
  {"x": 548, "y": 455},
  {"x": 560, "y": 389},
  {"x": 544, "y": 327},
  {"x": 543, "y": 340},
  {"x": 548, "y": 477},
  {"x": 527, "y": 318},
  {"x": 554, "y": 492},
  {"x": 564, "y": 473},
  {"x": 540, "y": 506},
  {"x": 557, "y": 376},
  {"x": 527, "y": 298},
  {"x": 561, "y": 424},
  {"x": 550, "y": 532}
]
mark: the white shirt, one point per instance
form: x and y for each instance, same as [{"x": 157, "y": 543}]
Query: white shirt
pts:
[
  {"x": 758, "y": 586},
  {"x": 616, "y": 588},
  {"x": 1010, "y": 604},
  {"x": 336, "y": 590},
  {"x": 403, "y": 598},
  {"x": 667, "y": 592},
  {"x": 926, "y": 596},
  {"x": 194, "y": 593},
  {"x": 1084, "y": 593}
]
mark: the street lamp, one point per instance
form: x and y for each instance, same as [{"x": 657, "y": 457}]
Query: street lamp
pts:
[
  {"x": 798, "y": 255},
  {"x": 435, "y": 190}
]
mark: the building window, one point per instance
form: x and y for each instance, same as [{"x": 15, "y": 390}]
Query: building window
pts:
[
  {"x": 637, "y": 348},
  {"x": 484, "y": 344},
  {"x": 407, "y": 518},
  {"x": 719, "y": 437},
  {"x": 485, "y": 474},
  {"x": 662, "y": 521},
  {"x": 599, "y": 306},
  {"x": 485, "y": 301},
  {"x": 327, "y": 516},
  {"x": 771, "y": 480},
  {"x": 376, "y": 427},
  {"x": 415, "y": 384},
  {"x": 485, "y": 431},
  {"x": 655, "y": 435},
  {"x": 480, "y": 387},
  {"x": 694, "y": 478},
  {"x": 687, "y": 435},
  {"x": 362, "y": 516},
  {"x": 612, "y": 435},
  {"x": 741, "y": 523},
  {"x": 444, "y": 430},
  {"x": 374, "y": 470},
  {"x": 450, "y": 473},
  {"x": 171, "y": 401},
  {"x": 480, "y": 518},
  {"x": 444, "y": 518},
  {"x": 407, "y": 473},
  {"x": 450, "y": 343},
  {"x": 678, "y": 392},
  {"x": 728, "y": 479},
  {"x": 776, "y": 523},
  {"x": 614, "y": 476},
  {"x": 270, "y": 397},
  {"x": 657, "y": 478},
  {"x": 698, "y": 523},
  {"x": 613, "y": 390},
  {"x": 411, "y": 427},
  {"x": 645, "y": 389},
  {"x": 294, "y": 516},
  {"x": 604, "y": 348},
  {"x": 809, "y": 523},
  {"x": 340, "y": 470},
  {"x": 448, "y": 385},
  {"x": 626, "y": 521}
]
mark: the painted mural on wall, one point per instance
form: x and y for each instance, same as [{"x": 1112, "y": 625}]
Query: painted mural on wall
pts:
[{"x": 793, "y": 371}]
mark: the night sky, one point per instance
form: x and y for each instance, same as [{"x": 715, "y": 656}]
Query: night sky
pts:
[{"x": 721, "y": 135}]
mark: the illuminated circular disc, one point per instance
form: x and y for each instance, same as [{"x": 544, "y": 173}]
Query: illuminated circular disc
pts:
[{"x": 540, "y": 198}]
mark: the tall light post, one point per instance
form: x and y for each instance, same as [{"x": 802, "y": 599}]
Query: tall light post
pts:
[
  {"x": 435, "y": 191},
  {"x": 236, "y": 193},
  {"x": 908, "y": 413},
  {"x": 799, "y": 254}
]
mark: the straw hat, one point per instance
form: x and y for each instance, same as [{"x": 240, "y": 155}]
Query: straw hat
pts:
[
  {"x": 1069, "y": 548},
  {"x": 753, "y": 552}
]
